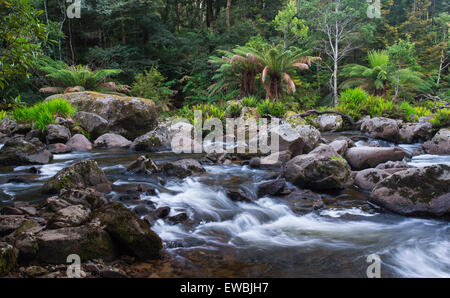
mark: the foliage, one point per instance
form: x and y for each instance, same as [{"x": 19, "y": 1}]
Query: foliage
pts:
[
  {"x": 268, "y": 108},
  {"x": 21, "y": 34},
  {"x": 208, "y": 111},
  {"x": 413, "y": 114},
  {"x": 3, "y": 114},
  {"x": 441, "y": 119},
  {"x": 151, "y": 85},
  {"x": 234, "y": 109},
  {"x": 77, "y": 75},
  {"x": 251, "y": 101},
  {"x": 43, "y": 113}
]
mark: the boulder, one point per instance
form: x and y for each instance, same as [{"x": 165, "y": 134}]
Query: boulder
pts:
[
  {"x": 128, "y": 116},
  {"x": 143, "y": 165},
  {"x": 10, "y": 223},
  {"x": 18, "y": 151},
  {"x": 130, "y": 233},
  {"x": 310, "y": 136},
  {"x": 440, "y": 144},
  {"x": 364, "y": 157},
  {"x": 57, "y": 134},
  {"x": 7, "y": 126},
  {"x": 157, "y": 140},
  {"x": 71, "y": 216},
  {"x": 111, "y": 140},
  {"x": 416, "y": 192},
  {"x": 304, "y": 201},
  {"x": 79, "y": 143},
  {"x": 241, "y": 194},
  {"x": 182, "y": 168},
  {"x": 415, "y": 132},
  {"x": 87, "y": 197},
  {"x": 329, "y": 122},
  {"x": 89, "y": 242},
  {"x": 58, "y": 148},
  {"x": 321, "y": 169},
  {"x": 79, "y": 175},
  {"x": 272, "y": 188},
  {"x": 274, "y": 160},
  {"x": 92, "y": 123},
  {"x": 368, "y": 178},
  {"x": 381, "y": 128},
  {"x": 25, "y": 240},
  {"x": 340, "y": 146},
  {"x": 8, "y": 258},
  {"x": 288, "y": 138}
]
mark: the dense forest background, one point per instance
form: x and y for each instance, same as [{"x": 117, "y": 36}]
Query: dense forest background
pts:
[{"x": 175, "y": 47}]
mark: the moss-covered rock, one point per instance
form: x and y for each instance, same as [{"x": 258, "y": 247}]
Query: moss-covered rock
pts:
[
  {"x": 83, "y": 174},
  {"x": 440, "y": 144},
  {"x": 8, "y": 258},
  {"x": 131, "y": 234},
  {"x": 416, "y": 192},
  {"x": 19, "y": 151}
]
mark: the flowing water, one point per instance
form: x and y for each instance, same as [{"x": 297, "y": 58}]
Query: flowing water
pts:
[{"x": 268, "y": 237}]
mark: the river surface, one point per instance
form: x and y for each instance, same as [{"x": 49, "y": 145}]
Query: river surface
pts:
[{"x": 268, "y": 237}]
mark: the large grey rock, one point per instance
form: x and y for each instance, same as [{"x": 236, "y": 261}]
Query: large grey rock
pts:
[
  {"x": 79, "y": 175},
  {"x": 321, "y": 169},
  {"x": 79, "y": 143},
  {"x": 416, "y": 192},
  {"x": 7, "y": 126},
  {"x": 111, "y": 140},
  {"x": 92, "y": 123},
  {"x": 368, "y": 178},
  {"x": 310, "y": 136},
  {"x": 440, "y": 144},
  {"x": 381, "y": 128},
  {"x": 415, "y": 132},
  {"x": 182, "y": 168},
  {"x": 71, "y": 216},
  {"x": 127, "y": 116},
  {"x": 57, "y": 134},
  {"x": 329, "y": 122},
  {"x": 18, "y": 151},
  {"x": 89, "y": 242},
  {"x": 157, "y": 140},
  {"x": 288, "y": 139},
  {"x": 364, "y": 157}
]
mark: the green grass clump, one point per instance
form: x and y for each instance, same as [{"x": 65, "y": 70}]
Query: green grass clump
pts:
[
  {"x": 208, "y": 111},
  {"x": 250, "y": 102},
  {"x": 441, "y": 119},
  {"x": 268, "y": 107},
  {"x": 234, "y": 109},
  {"x": 3, "y": 114},
  {"x": 43, "y": 113}
]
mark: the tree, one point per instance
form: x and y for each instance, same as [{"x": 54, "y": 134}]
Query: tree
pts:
[
  {"x": 278, "y": 66},
  {"x": 21, "y": 35},
  {"x": 287, "y": 22}
]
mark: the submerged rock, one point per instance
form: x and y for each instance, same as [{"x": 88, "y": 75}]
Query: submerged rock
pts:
[
  {"x": 18, "y": 151},
  {"x": 416, "y": 192},
  {"x": 273, "y": 187},
  {"x": 321, "y": 169},
  {"x": 364, "y": 157},
  {"x": 182, "y": 168},
  {"x": 381, "y": 128},
  {"x": 128, "y": 116},
  {"x": 440, "y": 144},
  {"x": 79, "y": 175},
  {"x": 241, "y": 194}
]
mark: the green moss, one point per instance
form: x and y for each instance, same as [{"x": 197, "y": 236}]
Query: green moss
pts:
[{"x": 8, "y": 258}]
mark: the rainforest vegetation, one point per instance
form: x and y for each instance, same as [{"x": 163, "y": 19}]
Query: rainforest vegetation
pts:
[{"x": 278, "y": 56}]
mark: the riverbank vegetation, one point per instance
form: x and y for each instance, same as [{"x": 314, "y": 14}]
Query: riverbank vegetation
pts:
[{"x": 220, "y": 56}]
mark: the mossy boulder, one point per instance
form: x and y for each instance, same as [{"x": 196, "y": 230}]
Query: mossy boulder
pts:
[
  {"x": 90, "y": 241},
  {"x": 440, "y": 144},
  {"x": 131, "y": 234},
  {"x": 381, "y": 128},
  {"x": 182, "y": 168},
  {"x": 8, "y": 258},
  {"x": 128, "y": 116},
  {"x": 19, "y": 151},
  {"x": 321, "y": 169},
  {"x": 368, "y": 178},
  {"x": 416, "y": 192},
  {"x": 55, "y": 133},
  {"x": 82, "y": 174}
]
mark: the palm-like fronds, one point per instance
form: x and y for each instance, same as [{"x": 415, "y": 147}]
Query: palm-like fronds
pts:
[{"x": 79, "y": 75}]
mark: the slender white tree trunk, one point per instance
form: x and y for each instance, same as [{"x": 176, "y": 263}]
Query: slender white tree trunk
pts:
[{"x": 336, "y": 58}]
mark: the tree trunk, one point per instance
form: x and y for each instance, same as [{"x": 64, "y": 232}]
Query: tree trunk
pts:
[
  {"x": 336, "y": 57},
  {"x": 228, "y": 14},
  {"x": 209, "y": 14}
]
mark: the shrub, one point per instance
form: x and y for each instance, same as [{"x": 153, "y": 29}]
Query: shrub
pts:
[
  {"x": 44, "y": 113},
  {"x": 413, "y": 113},
  {"x": 441, "y": 119},
  {"x": 268, "y": 107},
  {"x": 234, "y": 109},
  {"x": 208, "y": 111},
  {"x": 151, "y": 85},
  {"x": 3, "y": 114},
  {"x": 251, "y": 102}
]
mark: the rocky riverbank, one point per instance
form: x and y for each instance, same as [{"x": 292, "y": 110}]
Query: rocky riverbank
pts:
[{"x": 113, "y": 226}]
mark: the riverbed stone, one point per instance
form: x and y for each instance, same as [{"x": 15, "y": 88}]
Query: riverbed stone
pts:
[
  {"x": 58, "y": 148},
  {"x": 7, "y": 126},
  {"x": 143, "y": 165},
  {"x": 381, "y": 128},
  {"x": 55, "y": 133},
  {"x": 129, "y": 232},
  {"x": 416, "y": 192},
  {"x": 288, "y": 138},
  {"x": 440, "y": 144},
  {"x": 368, "y": 178},
  {"x": 79, "y": 143},
  {"x": 79, "y": 175},
  {"x": 321, "y": 169},
  {"x": 156, "y": 140},
  {"x": 364, "y": 157},
  {"x": 182, "y": 168},
  {"x": 310, "y": 136},
  {"x": 8, "y": 258},
  {"x": 130, "y": 117},
  {"x": 415, "y": 132},
  {"x": 111, "y": 140},
  {"x": 18, "y": 151},
  {"x": 272, "y": 188},
  {"x": 71, "y": 216},
  {"x": 10, "y": 223},
  {"x": 329, "y": 122},
  {"x": 90, "y": 241},
  {"x": 92, "y": 123}
]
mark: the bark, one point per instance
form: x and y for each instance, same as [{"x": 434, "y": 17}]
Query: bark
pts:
[
  {"x": 228, "y": 14},
  {"x": 209, "y": 14}
]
